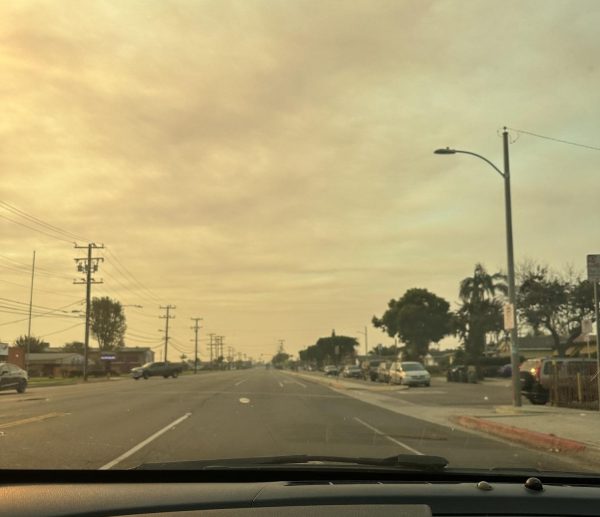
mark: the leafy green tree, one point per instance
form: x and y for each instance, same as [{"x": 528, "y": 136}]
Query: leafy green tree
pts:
[
  {"x": 280, "y": 358},
  {"x": 481, "y": 311},
  {"x": 549, "y": 302},
  {"x": 418, "y": 318},
  {"x": 107, "y": 323},
  {"x": 36, "y": 345},
  {"x": 384, "y": 351},
  {"x": 75, "y": 347},
  {"x": 330, "y": 350}
]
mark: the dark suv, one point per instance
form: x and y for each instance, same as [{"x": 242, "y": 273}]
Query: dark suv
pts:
[{"x": 12, "y": 378}]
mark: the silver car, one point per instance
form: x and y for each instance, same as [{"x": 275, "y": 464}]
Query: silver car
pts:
[{"x": 410, "y": 373}]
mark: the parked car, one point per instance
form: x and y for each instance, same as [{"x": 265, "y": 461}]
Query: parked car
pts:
[
  {"x": 331, "y": 370},
  {"x": 156, "y": 370},
  {"x": 457, "y": 373},
  {"x": 369, "y": 369},
  {"x": 410, "y": 373},
  {"x": 536, "y": 375},
  {"x": 383, "y": 371},
  {"x": 352, "y": 371},
  {"x": 13, "y": 378},
  {"x": 505, "y": 371}
]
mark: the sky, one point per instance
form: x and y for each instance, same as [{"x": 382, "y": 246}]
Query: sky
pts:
[{"x": 268, "y": 166}]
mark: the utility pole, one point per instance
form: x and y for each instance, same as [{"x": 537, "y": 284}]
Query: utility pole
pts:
[
  {"x": 88, "y": 266},
  {"x": 210, "y": 348},
  {"x": 167, "y": 317},
  {"x": 220, "y": 346},
  {"x": 196, "y": 328},
  {"x": 30, "y": 307}
]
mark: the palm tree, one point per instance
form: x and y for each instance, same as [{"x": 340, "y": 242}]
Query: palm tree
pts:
[
  {"x": 481, "y": 311},
  {"x": 482, "y": 286}
]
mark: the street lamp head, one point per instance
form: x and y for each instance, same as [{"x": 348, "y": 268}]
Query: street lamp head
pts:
[{"x": 447, "y": 150}]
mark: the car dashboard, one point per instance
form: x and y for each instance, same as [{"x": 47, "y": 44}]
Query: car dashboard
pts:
[{"x": 175, "y": 496}]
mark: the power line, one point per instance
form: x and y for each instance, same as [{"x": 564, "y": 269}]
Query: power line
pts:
[
  {"x": 37, "y": 289},
  {"x": 24, "y": 272},
  {"x": 132, "y": 276},
  {"x": 36, "y": 229},
  {"x": 62, "y": 330},
  {"x": 40, "y": 315},
  {"x": 36, "y": 220},
  {"x": 559, "y": 140}
]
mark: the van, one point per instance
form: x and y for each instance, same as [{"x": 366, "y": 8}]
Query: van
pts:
[{"x": 536, "y": 374}]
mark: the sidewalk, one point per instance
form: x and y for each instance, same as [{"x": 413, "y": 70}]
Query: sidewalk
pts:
[
  {"x": 542, "y": 427},
  {"x": 555, "y": 429}
]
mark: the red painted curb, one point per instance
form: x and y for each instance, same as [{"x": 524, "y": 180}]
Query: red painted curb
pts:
[{"x": 520, "y": 435}]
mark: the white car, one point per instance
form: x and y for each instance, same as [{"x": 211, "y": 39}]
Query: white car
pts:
[{"x": 409, "y": 373}]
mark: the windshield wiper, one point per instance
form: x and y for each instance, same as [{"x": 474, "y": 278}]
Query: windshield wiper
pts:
[{"x": 403, "y": 461}]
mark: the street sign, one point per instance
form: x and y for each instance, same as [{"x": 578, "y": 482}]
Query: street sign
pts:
[
  {"x": 509, "y": 316},
  {"x": 587, "y": 327},
  {"x": 593, "y": 268},
  {"x": 107, "y": 357}
]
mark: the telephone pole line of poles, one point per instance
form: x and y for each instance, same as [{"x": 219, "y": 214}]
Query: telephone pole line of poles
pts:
[
  {"x": 220, "y": 346},
  {"x": 167, "y": 317},
  {"x": 88, "y": 265},
  {"x": 30, "y": 307},
  {"x": 196, "y": 328},
  {"x": 210, "y": 347}
]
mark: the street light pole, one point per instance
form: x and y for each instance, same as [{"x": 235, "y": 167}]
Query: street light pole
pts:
[
  {"x": 514, "y": 345},
  {"x": 512, "y": 297}
]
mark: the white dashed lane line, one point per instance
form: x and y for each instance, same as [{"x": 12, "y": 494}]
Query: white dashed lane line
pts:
[{"x": 383, "y": 435}]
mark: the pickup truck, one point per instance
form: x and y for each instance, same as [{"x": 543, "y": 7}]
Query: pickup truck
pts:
[{"x": 156, "y": 369}]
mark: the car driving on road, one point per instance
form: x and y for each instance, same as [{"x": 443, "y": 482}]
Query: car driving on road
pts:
[
  {"x": 409, "y": 373},
  {"x": 12, "y": 378},
  {"x": 155, "y": 370}
]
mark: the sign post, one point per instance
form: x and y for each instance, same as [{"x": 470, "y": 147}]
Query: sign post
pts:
[{"x": 593, "y": 271}]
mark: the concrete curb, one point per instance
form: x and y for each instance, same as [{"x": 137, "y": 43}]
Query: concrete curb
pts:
[
  {"x": 519, "y": 435},
  {"x": 340, "y": 384}
]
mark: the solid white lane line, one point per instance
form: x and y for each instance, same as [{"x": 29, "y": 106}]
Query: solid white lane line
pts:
[
  {"x": 393, "y": 440},
  {"x": 144, "y": 443},
  {"x": 240, "y": 382}
]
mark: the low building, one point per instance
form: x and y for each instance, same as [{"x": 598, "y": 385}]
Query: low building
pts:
[
  {"x": 12, "y": 354},
  {"x": 120, "y": 361},
  {"x": 55, "y": 364}
]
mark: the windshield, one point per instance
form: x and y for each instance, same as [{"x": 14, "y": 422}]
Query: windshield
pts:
[
  {"x": 412, "y": 367},
  {"x": 245, "y": 197}
]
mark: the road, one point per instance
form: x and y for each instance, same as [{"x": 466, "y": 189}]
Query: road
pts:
[{"x": 123, "y": 423}]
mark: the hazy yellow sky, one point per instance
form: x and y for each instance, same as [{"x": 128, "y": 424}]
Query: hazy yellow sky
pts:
[{"x": 268, "y": 166}]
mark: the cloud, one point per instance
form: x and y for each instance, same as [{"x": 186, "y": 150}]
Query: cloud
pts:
[{"x": 276, "y": 158}]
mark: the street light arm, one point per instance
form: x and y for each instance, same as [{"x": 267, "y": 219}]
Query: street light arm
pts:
[{"x": 483, "y": 158}]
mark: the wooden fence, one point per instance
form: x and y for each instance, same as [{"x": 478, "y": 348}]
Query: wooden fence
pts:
[{"x": 574, "y": 385}]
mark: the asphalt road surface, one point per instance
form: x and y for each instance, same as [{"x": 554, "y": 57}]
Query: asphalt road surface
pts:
[{"x": 124, "y": 423}]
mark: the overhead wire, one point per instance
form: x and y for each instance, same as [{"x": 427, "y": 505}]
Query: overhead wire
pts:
[
  {"x": 36, "y": 229},
  {"x": 36, "y": 220},
  {"x": 120, "y": 266},
  {"x": 559, "y": 140},
  {"x": 39, "y": 315},
  {"x": 62, "y": 330}
]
